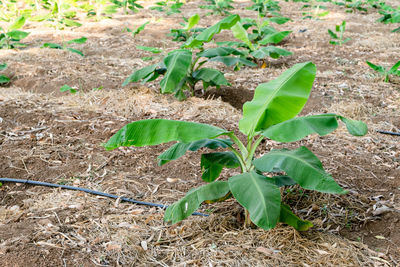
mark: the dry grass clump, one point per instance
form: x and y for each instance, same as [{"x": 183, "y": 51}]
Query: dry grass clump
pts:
[
  {"x": 144, "y": 102},
  {"x": 122, "y": 234}
]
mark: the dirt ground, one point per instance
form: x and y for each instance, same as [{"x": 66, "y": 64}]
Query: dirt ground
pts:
[{"x": 46, "y": 135}]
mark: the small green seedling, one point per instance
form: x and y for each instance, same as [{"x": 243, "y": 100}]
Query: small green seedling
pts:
[
  {"x": 265, "y": 7},
  {"x": 390, "y": 15},
  {"x": 219, "y": 7},
  {"x": 128, "y": 4},
  {"x": 138, "y": 29},
  {"x": 394, "y": 70},
  {"x": 270, "y": 115},
  {"x": 353, "y": 5},
  {"x": 169, "y": 9},
  {"x": 100, "y": 9},
  {"x": 67, "y": 88},
  {"x": 65, "y": 47},
  {"x": 183, "y": 68},
  {"x": 3, "y": 79},
  {"x": 338, "y": 39},
  {"x": 60, "y": 15},
  {"x": 314, "y": 10},
  {"x": 11, "y": 37}
]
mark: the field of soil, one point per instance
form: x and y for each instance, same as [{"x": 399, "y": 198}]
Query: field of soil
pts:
[{"x": 55, "y": 137}]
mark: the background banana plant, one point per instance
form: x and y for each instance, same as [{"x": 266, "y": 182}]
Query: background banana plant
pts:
[
  {"x": 11, "y": 37},
  {"x": 385, "y": 72},
  {"x": 258, "y": 41},
  {"x": 183, "y": 68}
]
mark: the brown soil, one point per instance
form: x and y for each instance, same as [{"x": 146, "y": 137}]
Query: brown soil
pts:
[{"x": 46, "y": 135}]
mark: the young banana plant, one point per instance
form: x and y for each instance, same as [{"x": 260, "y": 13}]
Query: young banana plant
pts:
[
  {"x": 337, "y": 37},
  {"x": 394, "y": 70},
  {"x": 270, "y": 115},
  {"x": 258, "y": 41},
  {"x": 183, "y": 68},
  {"x": 11, "y": 37}
]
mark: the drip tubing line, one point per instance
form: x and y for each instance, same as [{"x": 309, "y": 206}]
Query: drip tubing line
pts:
[
  {"x": 31, "y": 182},
  {"x": 386, "y": 132}
]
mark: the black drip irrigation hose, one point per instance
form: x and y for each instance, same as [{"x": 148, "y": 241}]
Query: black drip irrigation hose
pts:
[
  {"x": 386, "y": 132},
  {"x": 31, "y": 182}
]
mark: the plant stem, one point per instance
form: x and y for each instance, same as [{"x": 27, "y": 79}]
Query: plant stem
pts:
[
  {"x": 240, "y": 158},
  {"x": 252, "y": 150},
  {"x": 242, "y": 148},
  {"x": 247, "y": 220}
]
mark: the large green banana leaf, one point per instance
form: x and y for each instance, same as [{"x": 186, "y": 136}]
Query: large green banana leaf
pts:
[
  {"x": 210, "y": 77},
  {"x": 302, "y": 166},
  {"x": 178, "y": 64},
  {"x": 278, "y": 100},
  {"x": 260, "y": 196},
  {"x": 295, "y": 129},
  {"x": 184, "y": 207},
  {"x": 206, "y": 36},
  {"x": 158, "y": 131},
  {"x": 213, "y": 163}
]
